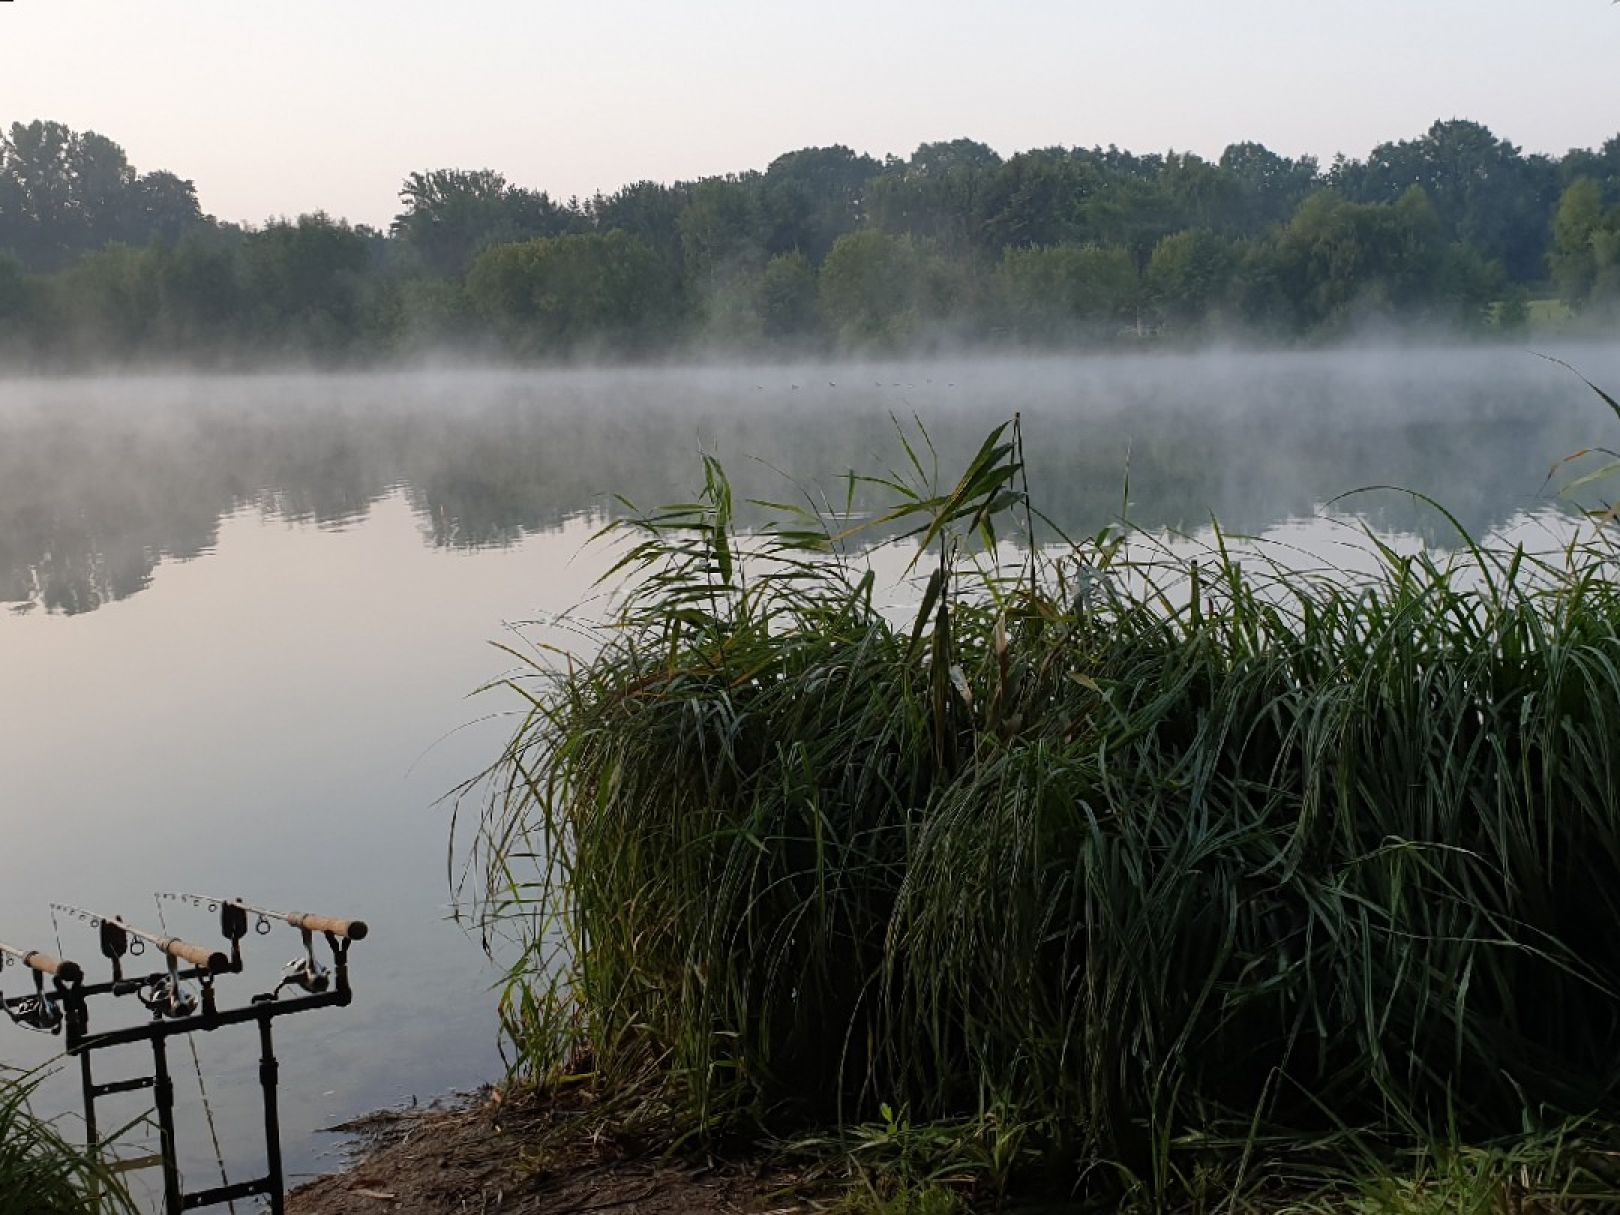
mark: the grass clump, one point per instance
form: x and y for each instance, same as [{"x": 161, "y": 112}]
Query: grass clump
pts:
[
  {"x": 41, "y": 1173},
  {"x": 1123, "y": 873}
]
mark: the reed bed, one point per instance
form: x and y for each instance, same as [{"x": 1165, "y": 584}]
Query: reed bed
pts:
[{"x": 1101, "y": 864}]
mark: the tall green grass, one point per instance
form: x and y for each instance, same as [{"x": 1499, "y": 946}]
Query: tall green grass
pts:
[
  {"x": 1101, "y": 861},
  {"x": 42, "y": 1173}
]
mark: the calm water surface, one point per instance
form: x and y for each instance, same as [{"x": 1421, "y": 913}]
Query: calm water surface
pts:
[{"x": 240, "y": 618}]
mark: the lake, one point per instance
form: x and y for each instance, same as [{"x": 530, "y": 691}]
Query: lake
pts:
[{"x": 242, "y": 618}]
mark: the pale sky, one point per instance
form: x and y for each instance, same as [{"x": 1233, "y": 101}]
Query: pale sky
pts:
[{"x": 277, "y": 108}]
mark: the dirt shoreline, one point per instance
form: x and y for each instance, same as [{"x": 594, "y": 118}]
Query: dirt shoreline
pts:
[{"x": 491, "y": 1154}]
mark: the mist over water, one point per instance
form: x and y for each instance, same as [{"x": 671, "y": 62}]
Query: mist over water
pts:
[
  {"x": 102, "y": 480},
  {"x": 245, "y": 613}
]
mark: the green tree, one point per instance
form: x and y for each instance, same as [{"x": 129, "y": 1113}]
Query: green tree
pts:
[
  {"x": 647, "y": 210},
  {"x": 720, "y": 228},
  {"x": 63, "y": 192},
  {"x": 1067, "y": 292},
  {"x": 1039, "y": 199},
  {"x": 880, "y": 290},
  {"x": 811, "y": 197},
  {"x": 109, "y": 301},
  {"x": 1575, "y": 230},
  {"x": 1190, "y": 276},
  {"x": 941, "y": 195},
  {"x": 450, "y": 214},
  {"x": 788, "y": 297},
  {"x": 1338, "y": 260},
  {"x": 305, "y": 279},
  {"x": 557, "y": 294},
  {"x": 1484, "y": 191},
  {"x": 1273, "y": 186}
]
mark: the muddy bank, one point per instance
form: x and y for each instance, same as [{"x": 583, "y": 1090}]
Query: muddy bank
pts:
[{"x": 518, "y": 1157}]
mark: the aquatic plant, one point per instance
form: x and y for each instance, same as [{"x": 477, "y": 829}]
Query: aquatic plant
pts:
[
  {"x": 42, "y": 1173},
  {"x": 1107, "y": 860}
]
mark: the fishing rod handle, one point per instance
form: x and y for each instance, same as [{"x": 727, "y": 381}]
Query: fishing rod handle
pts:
[
  {"x": 348, "y": 930},
  {"x": 67, "y": 972},
  {"x": 185, "y": 951}
]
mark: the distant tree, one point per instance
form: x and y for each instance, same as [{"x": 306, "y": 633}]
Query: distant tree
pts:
[
  {"x": 1067, "y": 292},
  {"x": 162, "y": 207},
  {"x": 721, "y": 228},
  {"x": 1483, "y": 190},
  {"x": 552, "y": 294},
  {"x": 1204, "y": 195},
  {"x": 109, "y": 301},
  {"x": 1190, "y": 276},
  {"x": 1339, "y": 259},
  {"x": 788, "y": 297},
  {"x": 63, "y": 192},
  {"x": 940, "y": 195},
  {"x": 1575, "y": 231},
  {"x": 1273, "y": 186},
  {"x": 1602, "y": 165},
  {"x": 305, "y": 279},
  {"x": 450, "y": 214},
  {"x": 647, "y": 210},
  {"x": 1038, "y": 198},
  {"x": 811, "y": 197},
  {"x": 1134, "y": 213},
  {"x": 879, "y": 290},
  {"x": 1513, "y": 316},
  {"x": 205, "y": 302}
]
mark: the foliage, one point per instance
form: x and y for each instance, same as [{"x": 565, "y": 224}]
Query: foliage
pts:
[
  {"x": 63, "y": 192},
  {"x": 879, "y": 290},
  {"x": 1068, "y": 292},
  {"x": 450, "y": 215},
  {"x": 551, "y": 293},
  {"x": 1586, "y": 246},
  {"x": 1140, "y": 869},
  {"x": 1163, "y": 247},
  {"x": 41, "y": 1173}
]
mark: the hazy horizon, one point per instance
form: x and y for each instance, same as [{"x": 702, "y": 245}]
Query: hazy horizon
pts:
[{"x": 304, "y": 108}]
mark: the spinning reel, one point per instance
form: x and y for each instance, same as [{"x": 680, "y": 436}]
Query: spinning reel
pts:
[{"x": 42, "y": 1011}]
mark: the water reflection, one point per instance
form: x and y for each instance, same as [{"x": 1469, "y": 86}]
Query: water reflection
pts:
[{"x": 102, "y": 481}]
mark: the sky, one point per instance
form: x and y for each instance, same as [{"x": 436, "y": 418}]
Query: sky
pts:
[{"x": 276, "y": 109}]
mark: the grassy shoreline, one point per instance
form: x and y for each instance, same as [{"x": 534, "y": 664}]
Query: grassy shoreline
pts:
[{"x": 1152, "y": 881}]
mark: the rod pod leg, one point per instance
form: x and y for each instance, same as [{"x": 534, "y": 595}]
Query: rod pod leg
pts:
[
  {"x": 268, "y": 1071},
  {"x": 163, "y": 1090},
  {"x": 92, "y": 1137}
]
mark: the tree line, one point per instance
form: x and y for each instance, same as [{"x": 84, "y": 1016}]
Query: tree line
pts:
[{"x": 824, "y": 248}]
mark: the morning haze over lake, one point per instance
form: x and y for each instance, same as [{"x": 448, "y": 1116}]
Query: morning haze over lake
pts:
[{"x": 1221, "y": 746}]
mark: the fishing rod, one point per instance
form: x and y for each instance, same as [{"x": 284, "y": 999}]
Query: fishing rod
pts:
[
  {"x": 348, "y": 930},
  {"x": 305, "y": 972},
  {"x": 160, "y": 993}
]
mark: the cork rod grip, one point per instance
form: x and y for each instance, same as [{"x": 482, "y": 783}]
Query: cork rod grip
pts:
[
  {"x": 349, "y": 930},
  {"x": 207, "y": 959},
  {"x": 67, "y": 972}
]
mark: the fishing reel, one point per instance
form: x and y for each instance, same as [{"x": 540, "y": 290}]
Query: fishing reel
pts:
[
  {"x": 40, "y": 1012},
  {"x": 304, "y": 972},
  {"x": 167, "y": 997}
]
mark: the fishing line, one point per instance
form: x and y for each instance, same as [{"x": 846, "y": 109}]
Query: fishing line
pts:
[{"x": 202, "y": 1088}]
